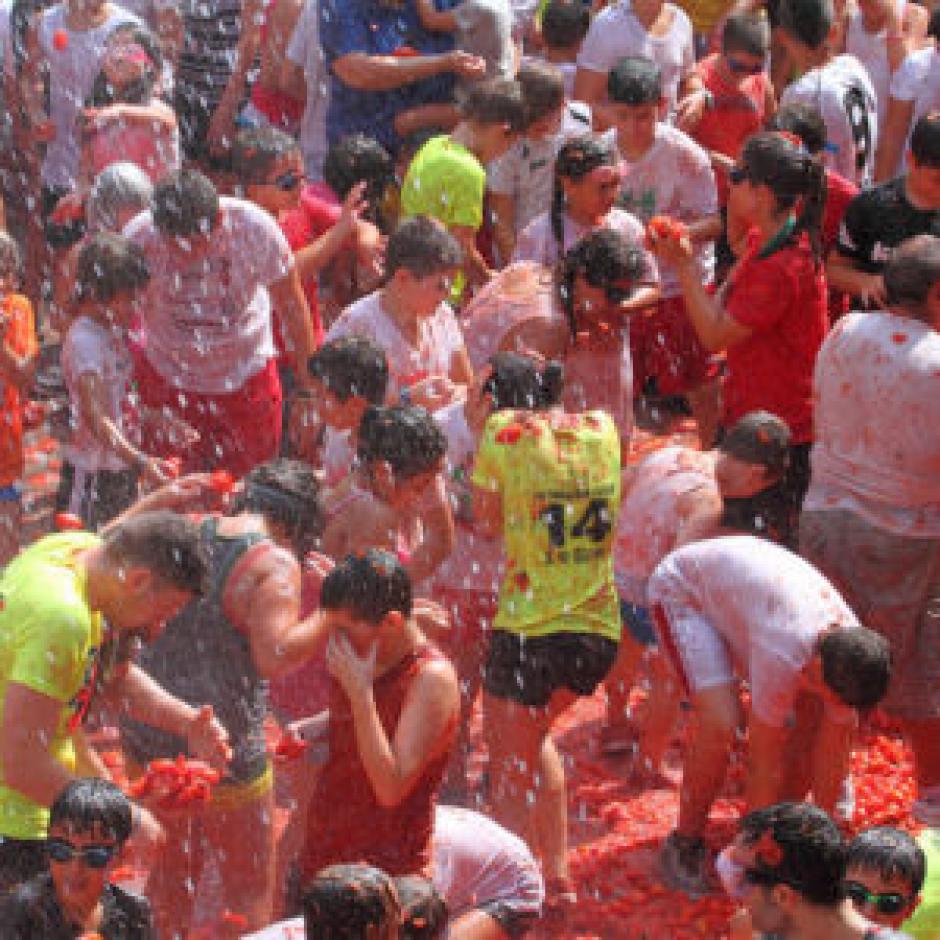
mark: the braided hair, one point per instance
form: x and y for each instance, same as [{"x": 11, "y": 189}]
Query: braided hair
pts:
[
  {"x": 782, "y": 165},
  {"x": 576, "y": 160}
]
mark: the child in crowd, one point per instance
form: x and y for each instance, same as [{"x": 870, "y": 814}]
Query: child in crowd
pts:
[
  {"x": 564, "y": 25},
  {"x": 395, "y": 499},
  {"x": 102, "y": 466},
  {"x": 89, "y": 824},
  {"x": 447, "y": 179},
  {"x": 742, "y": 95},
  {"x": 885, "y": 872},
  {"x": 18, "y": 349},
  {"x": 519, "y": 183},
  {"x": 666, "y": 173},
  {"x": 409, "y": 317}
]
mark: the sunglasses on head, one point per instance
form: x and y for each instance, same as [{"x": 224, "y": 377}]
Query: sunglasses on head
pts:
[
  {"x": 94, "y": 856},
  {"x": 889, "y": 903},
  {"x": 744, "y": 68}
]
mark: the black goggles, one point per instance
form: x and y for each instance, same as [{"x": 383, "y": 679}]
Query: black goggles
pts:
[{"x": 94, "y": 856}]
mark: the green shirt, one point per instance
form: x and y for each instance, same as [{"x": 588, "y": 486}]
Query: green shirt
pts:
[
  {"x": 49, "y": 643},
  {"x": 559, "y": 480}
]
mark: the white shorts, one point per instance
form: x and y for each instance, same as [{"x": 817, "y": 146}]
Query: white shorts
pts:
[{"x": 697, "y": 650}]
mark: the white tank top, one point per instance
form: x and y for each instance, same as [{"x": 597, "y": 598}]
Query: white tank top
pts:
[{"x": 871, "y": 49}]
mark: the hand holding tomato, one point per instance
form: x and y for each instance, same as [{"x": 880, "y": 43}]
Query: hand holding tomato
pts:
[{"x": 669, "y": 240}]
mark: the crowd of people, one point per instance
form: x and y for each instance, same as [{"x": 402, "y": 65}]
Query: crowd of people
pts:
[{"x": 355, "y": 309}]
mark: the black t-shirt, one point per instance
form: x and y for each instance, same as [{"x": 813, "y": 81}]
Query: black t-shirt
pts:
[
  {"x": 877, "y": 221},
  {"x": 31, "y": 911}
]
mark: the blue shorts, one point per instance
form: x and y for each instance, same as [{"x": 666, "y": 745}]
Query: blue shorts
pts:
[
  {"x": 637, "y": 620},
  {"x": 11, "y": 493}
]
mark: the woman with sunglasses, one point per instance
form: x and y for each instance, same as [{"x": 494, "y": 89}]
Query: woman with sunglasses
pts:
[
  {"x": 90, "y": 822},
  {"x": 770, "y": 317}
]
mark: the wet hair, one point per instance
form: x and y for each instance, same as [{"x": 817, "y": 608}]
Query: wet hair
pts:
[
  {"x": 911, "y": 273},
  {"x": 91, "y": 804},
  {"x": 891, "y": 853},
  {"x": 925, "y": 141},
  {"x": 519, "y": 382},
  {"x": 604, "y": 258},
  {"x": 543, "y": 89},
  {"x": 423, "y": 246},
  {"x": 139, "y": 91},
  {"x": 117, "y": 188},
  {"x": 167, "y": 543},
  {"x": 287, "y": 493},
  {"x": 576, "y": 159},
  {"x": 351, "y": 367},
  {"x": 355, "y": 159},
  {"x": 350, "y": 902},
  {"x": 797, "y": 845},
  {"x": 565, "y": 23},
  {"x": 856, "y": 665},
  {"x": 747, "y": 33},
  {"x": 405, "y": 437},
  {"x": 109, "y": 265},
  {"x": 933, "y": 25},
  {"x": 803, "y": 120},
  {"x": 635, "y": 80},
  {"x": 257, "y": 149},
  {"x": 11, "y": 261},
  {"x": 370, "y": 585},
  {"x": 807, "y": 21},
  {"x": 185, "y": 203},
  {"x": 424, "y": 913},
  {"x": 759, "y": 437},
  {"x": 792, "y": 175},
  {"x": 495, "y": 101}
]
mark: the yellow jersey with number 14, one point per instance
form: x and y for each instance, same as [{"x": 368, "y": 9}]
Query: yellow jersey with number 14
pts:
[{"x": 559, "y": 479}]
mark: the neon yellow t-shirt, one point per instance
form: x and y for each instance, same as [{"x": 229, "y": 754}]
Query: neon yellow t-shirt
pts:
[
  {"x": 925, "y": 924},
  {"x": 559, "y": 479},
  {"x": 49, "y": 642}
]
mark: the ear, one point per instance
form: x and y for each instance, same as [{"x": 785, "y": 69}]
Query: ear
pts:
[
  {"x": 137, "y": 580},
  {"x": 383, "y": 478},
  {"x": 393, "y": 621},
  {"x": 784, "y": 897}
]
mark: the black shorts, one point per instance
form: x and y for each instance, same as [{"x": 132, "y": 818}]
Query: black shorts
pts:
[
  {"x": 20, "y": 861},
  {"x": 529, "y": 669}
]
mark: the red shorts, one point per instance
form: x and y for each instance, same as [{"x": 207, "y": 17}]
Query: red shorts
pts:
[
  {"x": 238, "y": 430},
  {"x": 665, "y": 348}
]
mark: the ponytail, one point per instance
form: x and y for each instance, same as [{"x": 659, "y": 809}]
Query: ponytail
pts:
[{"x": 814, "y": 206}]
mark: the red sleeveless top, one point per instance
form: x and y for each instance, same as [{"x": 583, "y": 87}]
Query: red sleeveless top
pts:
[{"x": 346, "y": 822}]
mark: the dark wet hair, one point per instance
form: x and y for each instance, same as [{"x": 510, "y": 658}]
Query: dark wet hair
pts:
[
  {"x": 139, "y": 91},
  {"x": 422, "y": 246},
  {"x": 747, "y": 33},
  {"x": 406, "y": 437},
  {"x": 760, "y": 437},
  {"x": 370, "y": 585},
  {"x": 635, "y": 80},
  {"x": 287, "y": 493},
  {"x": 520, "y": 382},
  {"x": 495, "y": 101},
  {"x": 604, "y": 258},
  {"x": 257, "y": 149},
  {"x": 90, "y": 803},
  {"x": 109, "y": 265},
  {"x": 807, "y": 21},
  {"x": 351, "y": 367},
  {"x": 797, "y": 845},
  {"x": 165, "y": 542},
  {"x": 356, "y": 159},
  {"x": 911, "y": 273},
  {"x": 856, "y": 665},
  {"x": 543, "y": 89},
  {"x": 576, "y": 159},
  {"x": 565, "y": 23},
  {"x": 792, "y": 175},
  {"x": 347, "y": 902},
  {"x": 933, "y": 25},
  {"x": 803, "y": 120},
  {"x": 925, "y": 141},
  {"x": 424, "y": 913},
  {"x": 891, "y": 853},
  {"x": 185, "y": 203}
]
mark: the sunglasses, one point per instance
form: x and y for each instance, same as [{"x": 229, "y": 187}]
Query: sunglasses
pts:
[
  {"x": 287, "y": 182},
  {"x": 738, "y": 175},
  {"x": 890, "y": 903},
  {"x": 743, "y": 68},
  {"x": 94, "y": 856}
]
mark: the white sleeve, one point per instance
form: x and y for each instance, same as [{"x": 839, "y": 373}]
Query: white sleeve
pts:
[
  {"x": 304, "y": 35},
  {"x": 906, "y": 81},
  {"x": 697, "y": 179},
  {"x": 501, "y": 176},
  {"x": 599, "y": 51},
  {"x": 531, "y": 243},
  {"x": 267, "y": 252}
]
